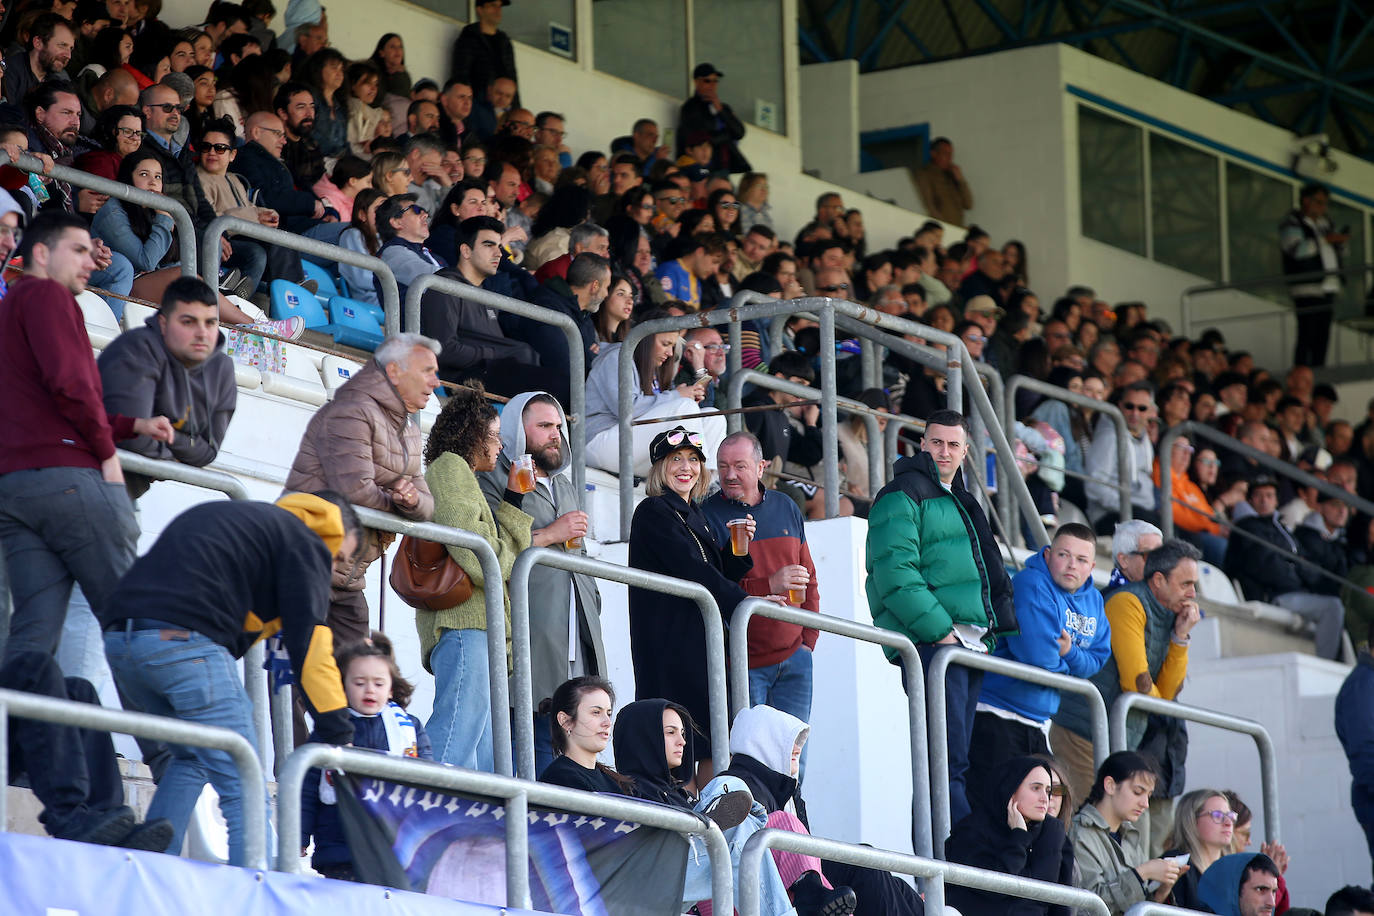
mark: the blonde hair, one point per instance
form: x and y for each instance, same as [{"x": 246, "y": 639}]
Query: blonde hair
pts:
[{"x": 656, "y": 484}]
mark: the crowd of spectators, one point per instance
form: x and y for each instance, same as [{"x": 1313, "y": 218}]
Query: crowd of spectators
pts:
[{"x": 458, "y": 180}]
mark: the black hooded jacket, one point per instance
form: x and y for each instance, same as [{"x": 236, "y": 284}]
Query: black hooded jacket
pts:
[
  {"x": 983, "y": 840},
  {"x": 640, "y": 754}
]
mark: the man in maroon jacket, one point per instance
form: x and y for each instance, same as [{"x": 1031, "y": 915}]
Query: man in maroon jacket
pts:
[
  {"x": 64, "y": 516},
  {"x": 779, "y": 653}
]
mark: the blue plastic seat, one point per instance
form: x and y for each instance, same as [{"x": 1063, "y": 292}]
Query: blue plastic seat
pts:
[
  {"x": 290, "y": 299},
  {"x": 352, "y": 325},
  {"x": 328, "y": 285}
]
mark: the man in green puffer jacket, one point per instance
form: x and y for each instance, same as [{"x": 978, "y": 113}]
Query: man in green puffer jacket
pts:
[{"x": 935, "y": 574}]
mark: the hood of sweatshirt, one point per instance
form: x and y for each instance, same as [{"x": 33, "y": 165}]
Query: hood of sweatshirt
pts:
[
  {"x": 768, "y": 735},
  {"x": 513, "y": 428},
  {"x": 640, "y": 752},
  {"x": 320, "y": 516},
  {"x": 1219, "y": 886}
]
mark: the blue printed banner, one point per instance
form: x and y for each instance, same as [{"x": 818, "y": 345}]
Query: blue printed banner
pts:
[{"x": 455, "y": 846}]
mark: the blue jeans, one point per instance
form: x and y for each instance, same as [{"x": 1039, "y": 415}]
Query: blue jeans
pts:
[
  {"x": 194, "y": 679},
  {"x": 117, "y": 278},
  {"x": 962, "y": 685},
  {"x": 460, "y": 725},
  {"x": 785, "y": 686},
  {"x": 697, "y": 886}
]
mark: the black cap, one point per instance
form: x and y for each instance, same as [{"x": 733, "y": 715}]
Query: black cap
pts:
[
  {"x": 669, "y": 441},
  {"x": 704, "y": 70},
  {"x": 425, "y": 83},
  {"x": 1262, "y": 480},
  {"x": 1326, "y": 392}
]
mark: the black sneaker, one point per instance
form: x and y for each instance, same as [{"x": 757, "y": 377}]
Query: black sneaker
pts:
[
  {"x": 245, "y": 288},
  {"x": 730, "y": 809},
  {"x": 229, "y": 281},
  {"x": 152, "y": 836},
  {"x": 812, "y": 898},
  {"x": 103, "y": 828}
]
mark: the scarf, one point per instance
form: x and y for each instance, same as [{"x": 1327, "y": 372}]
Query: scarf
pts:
[
  {"x": 400, "y": 742},
  {"x": 62, "y": 155}
]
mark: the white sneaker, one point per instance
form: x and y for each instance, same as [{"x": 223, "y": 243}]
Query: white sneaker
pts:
[{"x": 290, "y": 328}]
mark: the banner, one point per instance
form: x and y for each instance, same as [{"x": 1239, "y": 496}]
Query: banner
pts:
[
  {"x": 62, "y": 878},
  {"x": 455, "y": 846}
]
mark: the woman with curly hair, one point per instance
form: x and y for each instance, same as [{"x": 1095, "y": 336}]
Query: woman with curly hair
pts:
[
  {"x": 119, "y": 131},
  {"x": 465, "y": 441}
]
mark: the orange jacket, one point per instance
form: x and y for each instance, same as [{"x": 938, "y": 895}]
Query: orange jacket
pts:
[{"x": 1192, "y": 511}]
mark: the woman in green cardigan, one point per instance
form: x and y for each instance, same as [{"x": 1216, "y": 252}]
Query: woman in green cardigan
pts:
[{"x": 466, "y": 439}]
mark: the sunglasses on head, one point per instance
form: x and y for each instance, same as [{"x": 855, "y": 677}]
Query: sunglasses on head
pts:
[{"x": 675, "y": 438}]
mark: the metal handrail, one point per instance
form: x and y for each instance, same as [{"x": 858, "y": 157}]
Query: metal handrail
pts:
[
  {"x": 186, "y": 229},
  {"x": 935, "y": 872},
  {"x": 1186, "y": 297},
  {"x": 1150, "y": 908},
  {"x": 1123, "y": 461},
  {"x": 519, "y": 587},
  {"x": 157, "y": 728},
  {"x": 892, "y": 441},
  {"x": 734, "y": 395},
  {"x": 1269, "y": 779},
  {"x": 220, "y": 225},
  {"x": 758, "y": 307},
  {"x": 936, "y": 718},
  {"x": 517, "y": 795},
  {"x": 1164, "y": 454},
  {"x": 750, "y": 608},
  {"x": 577, "y": 363}
]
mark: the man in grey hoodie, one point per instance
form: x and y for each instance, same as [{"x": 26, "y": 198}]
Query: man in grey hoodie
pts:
[
  {"x": 565, "y": 608},
  {"x": 174, "y": 366}
]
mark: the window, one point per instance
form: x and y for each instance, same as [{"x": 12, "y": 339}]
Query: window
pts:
[
  {"x": 543, "y": 24},
  {"x": 1354, "y": 289},
  {"x": 1111, "y": 176},
  {"x": 1185, "y": 207},
  {"x": 743, "y": 38},
  {"x": 645, "y": 42},
  {"x": 1255, "y": 203}
]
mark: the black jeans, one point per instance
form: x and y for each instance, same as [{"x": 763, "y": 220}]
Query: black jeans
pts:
[{"x": 1314, "y": 328}]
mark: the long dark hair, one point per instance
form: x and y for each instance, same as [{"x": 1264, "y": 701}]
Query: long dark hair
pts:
[
  {"x": 643, "y": 358},
  {"x": 104, "y": 132},
  {"x": 361, "y": 204},
  {"x": 253, "y": 81},
  {"x": 378, "y": 645},
  {"x": 566, "y": 699},
  {"x": 376, "y": 57},
  {"x": 602, "y": 318},
  {"x": 568, "y": 206},
  {"x": 140, "y": 217},
  {"x": 463, "y": 424}
]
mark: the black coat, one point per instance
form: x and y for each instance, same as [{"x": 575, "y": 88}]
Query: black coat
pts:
[
  {"x": 640, "y": 754},
  {"x": 983, "y": 839},
  {"x": 1330, "y": 555},
  {"x": 276, "y": 188},
  {"x": 667, "y": 635},
  {"x": 1265, "y": 573},
  {"x": 778, "y": 436},
  {"x": 547, "y": 340},
  {"x": 725, "y": 129},
  {"x": 478, "y": 59},
  {"x": 469, "y": 332}
]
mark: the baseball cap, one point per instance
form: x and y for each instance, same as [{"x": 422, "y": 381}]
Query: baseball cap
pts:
[{"x": 704, "y": 70}]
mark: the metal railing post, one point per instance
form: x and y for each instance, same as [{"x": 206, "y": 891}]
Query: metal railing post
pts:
[
  {"x": 830, "y": 433},
  {"x": 937, "y": 719},
  {"x": 159, "y": 728},
  {"x": 1282, "y": 468},
  {"x": 519, "y": 586},
  {"x": 577, "y": 362},
  {"x": 757, "y": 846},
  {"x": 209, "y": 253},
  {"x": 186, "y": 229},
  {"x": 1269, "y": 780},
  {"x": 517, "y": 795},
  {"x": 1123, "y": 460},
  {"x": 911, "y": 665}
]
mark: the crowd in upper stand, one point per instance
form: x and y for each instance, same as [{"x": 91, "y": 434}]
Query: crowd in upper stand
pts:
[{"x": 455, "y": 178}]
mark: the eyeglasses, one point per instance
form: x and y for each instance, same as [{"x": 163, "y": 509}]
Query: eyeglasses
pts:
[
  {"x": 1209, "y": 462},
  {"x": 272, "y": 130},
  {"x": 475, "y": 161},
  {"x": 646, "y": 206},
  {"x": 216, "y": 148},
  {"x": 1140, "y": 407},
  {"x": 522, "y": 125},
  {"x": 1184, "y": 448},
  {"x": 975, "y": 338},
  {"x": 557, "y": 133},
  {"x": 673, "y": 200},
  {"x": 1220, "y": 817},
  {"x": 733, "y": 205},
  {"x": 14, "y": 234},
  {"x": 168, "y": 107},
  {"x": 404, "y": 169},
  {"x": 132, "y": 133},
  {"x": 416, "y": 209},
  {"x": 1058, "y": 791},
  {"x": 676, "y": 436},
  {"x": 714, "y": 348},
  {"x": 838, "y": 288}
]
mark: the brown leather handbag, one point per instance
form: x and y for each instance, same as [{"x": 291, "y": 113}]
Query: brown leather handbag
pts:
[{"x": 427, "y": 578}]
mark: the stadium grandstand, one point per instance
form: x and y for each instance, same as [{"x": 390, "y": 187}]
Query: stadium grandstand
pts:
[{"x": 644, "y": 456}]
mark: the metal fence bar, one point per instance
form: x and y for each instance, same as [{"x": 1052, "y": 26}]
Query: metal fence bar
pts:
[
  {"x": 186, "y": 229},
  {"x": 434, "y": 776},
  {"x": 1185, "y": 301},
  {"x": 892, "y": 438},
  {"x": 938, "y": 873},
  {"x": 1269, "y": 779},
  {"x": 750, "y": 608},
  {"x": 496, "y": 614},
  {"x": 1123, "y": 460},
  {"x": 221, "y": 225},
  {"x": 1202, "y": 431},
  {"x": 577, "y": 367},
  {"x": 157, "y": 728},
  {"x": 936, "y": 718},
  {"x": 519, "y": 587}
]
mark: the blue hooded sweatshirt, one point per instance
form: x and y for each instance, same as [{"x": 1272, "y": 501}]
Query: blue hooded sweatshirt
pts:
[
  {"x": 1219, "y": 886},
  {"x": 1043, "y": 610}
]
